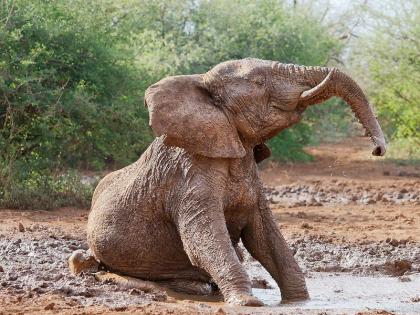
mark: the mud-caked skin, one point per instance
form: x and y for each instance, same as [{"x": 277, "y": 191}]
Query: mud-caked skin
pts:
[{"x": 181, "y": 209}]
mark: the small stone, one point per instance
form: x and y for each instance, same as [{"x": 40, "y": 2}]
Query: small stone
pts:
[
  {"x": 1, "y": 269},
  {"x": 135, "y": 292},
  {"x": 392, "y": 242},
  {"x": 21, "y": 228},
  {"x": 386, "y": 173},
  {"x": 220, "y": 311},
  {"x": 404, "y": 279},
  {"x": 49, "y": 307},
  {"x": 306, "y": 226},
  {"x": 370, "y": 201},
  {"x": 398, "y": 267},
  {"x": 301, "y": 215},
  {"x": 260, "y": 284}
]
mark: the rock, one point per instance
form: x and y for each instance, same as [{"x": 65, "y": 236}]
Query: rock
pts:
[
  {"x": 120, "y": 308},
  {"x": 220, "y": 311},
  {"x": 402, "y": 173},
  {"x": 1, "y": 269},
  {"x": 306, "y": 226},
  {"x": 301, "y": 215},
  {"x": 386, "y": 173},
  {"x": 404, "y": 279},
  {"x": 49, "y": 307},
  {"x": 370, "y": 201},
  {"x": 261, "y": 284},
  {"x": 398, "y": 267},
  {"x": 392, "y": 242},
  {"x": 21, "y": 228},
  {"x": 135, "y": 292}
]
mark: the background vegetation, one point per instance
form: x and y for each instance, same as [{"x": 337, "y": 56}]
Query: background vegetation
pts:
[
  {"x": 73, "y": 74},
  {"x": 389, "y": 58}
]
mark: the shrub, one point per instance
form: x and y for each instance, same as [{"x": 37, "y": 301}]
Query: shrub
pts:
[{"x": 44, "y": 191}]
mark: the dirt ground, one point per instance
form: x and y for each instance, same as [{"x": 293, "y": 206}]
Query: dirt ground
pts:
[{"x": 353, "y": 221}]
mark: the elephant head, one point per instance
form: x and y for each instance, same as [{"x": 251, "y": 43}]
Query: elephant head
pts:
[{"x": 240, "y": 104}]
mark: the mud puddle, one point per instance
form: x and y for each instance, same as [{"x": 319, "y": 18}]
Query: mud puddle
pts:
[
  {"x": 346, "y": 292},
  {"x": 34, "y": 265}
]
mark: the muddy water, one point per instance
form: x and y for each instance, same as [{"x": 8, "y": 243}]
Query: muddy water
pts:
[
  {"x": 342, "y": 291},
  {"x": 382, "y": 275}
]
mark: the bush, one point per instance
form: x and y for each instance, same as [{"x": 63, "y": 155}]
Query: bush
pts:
[
  {"x": 73, "y": 75},
  {"x": 392, "y": 55},
  {"x": 43, "y": 191}
]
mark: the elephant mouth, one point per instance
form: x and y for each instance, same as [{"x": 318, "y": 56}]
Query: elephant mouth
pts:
[{"x": 287, "y": 107}]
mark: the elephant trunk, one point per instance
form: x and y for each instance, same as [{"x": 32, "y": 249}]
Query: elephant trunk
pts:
[
  {"x": 350, "y": 92},
  {"x": 329, "y": 82}
]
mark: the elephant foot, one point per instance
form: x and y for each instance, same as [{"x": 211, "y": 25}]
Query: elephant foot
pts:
[
  {"x": 82, "y": 261},
  {"x": 188, "y": 286},
  {"x": 294, "y": 297},
  {"x": 244, "y": 300}
]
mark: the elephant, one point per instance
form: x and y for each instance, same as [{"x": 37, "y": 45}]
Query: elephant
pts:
[{"x": 177, "y": 214}]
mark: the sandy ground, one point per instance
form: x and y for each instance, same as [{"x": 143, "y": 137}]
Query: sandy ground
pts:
[{"x": 353, "y": 221}]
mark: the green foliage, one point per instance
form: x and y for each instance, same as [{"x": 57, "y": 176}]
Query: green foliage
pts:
[
  {"x": 181, "y": 37},
  {"x": 38, "y": 190},
  {"x": 288, "y": 145},
  {"x": 392, "y": 53},
  {"x": 73, "y": 75},
  {"x": 67, "y": 95}
]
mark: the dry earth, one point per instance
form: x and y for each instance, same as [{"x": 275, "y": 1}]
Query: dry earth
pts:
[{"x": 352, "y": 220}]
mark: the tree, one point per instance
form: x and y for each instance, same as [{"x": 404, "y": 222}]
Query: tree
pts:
[{"x": 391, "y": 59}]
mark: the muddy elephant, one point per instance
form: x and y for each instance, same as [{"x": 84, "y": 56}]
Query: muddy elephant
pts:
[{"x": 177, "y": 214}]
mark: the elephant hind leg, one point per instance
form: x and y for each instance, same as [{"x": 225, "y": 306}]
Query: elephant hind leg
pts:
[
  {"x": 168, "y": 286},
  {"x": 126, "y": 282},
  {"x": 82, "y": 261}
]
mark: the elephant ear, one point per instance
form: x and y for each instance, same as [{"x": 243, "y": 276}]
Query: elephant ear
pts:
[{"x": 182, "y": 108}]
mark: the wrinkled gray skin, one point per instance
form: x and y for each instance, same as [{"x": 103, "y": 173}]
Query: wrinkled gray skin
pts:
[{"x": 180, "y": 210}]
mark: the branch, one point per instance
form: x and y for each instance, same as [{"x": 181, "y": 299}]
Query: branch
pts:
[{"x": 10, "y": 13}]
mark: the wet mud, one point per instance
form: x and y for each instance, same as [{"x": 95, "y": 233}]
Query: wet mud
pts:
[
  {"x": 354, "y": 228},
  {"x": 319, "y": 193}
]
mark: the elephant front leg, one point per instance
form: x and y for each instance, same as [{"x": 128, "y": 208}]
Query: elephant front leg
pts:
[
  {"x": 206, "y": 240},
  {"x": 265, "y": 243}
]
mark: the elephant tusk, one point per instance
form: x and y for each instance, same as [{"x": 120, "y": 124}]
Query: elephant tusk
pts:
[{"x": 317, "y": 89}]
